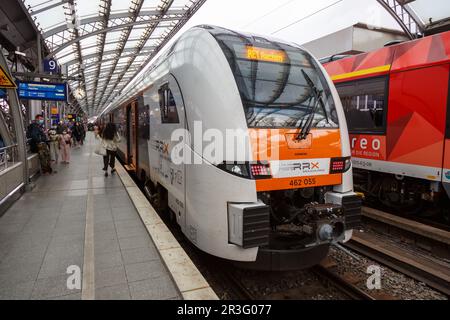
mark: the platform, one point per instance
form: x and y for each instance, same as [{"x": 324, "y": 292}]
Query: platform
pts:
[{"x": 77, "y": 218}]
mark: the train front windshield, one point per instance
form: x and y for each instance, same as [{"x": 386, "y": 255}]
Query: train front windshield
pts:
[{"x": 274, "y": 90}]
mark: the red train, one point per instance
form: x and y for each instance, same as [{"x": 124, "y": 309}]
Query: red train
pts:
[{"x": 397, "y": 105}]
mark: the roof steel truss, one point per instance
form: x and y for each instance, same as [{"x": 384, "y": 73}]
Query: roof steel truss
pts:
[
  {"x": 405, "y": 17},
  {"x": 103, "y": 72}
]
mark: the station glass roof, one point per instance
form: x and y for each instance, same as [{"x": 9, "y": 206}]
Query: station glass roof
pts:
[
  {"x": 435, "y": 10},
  {"x": 103, "y": 44}
]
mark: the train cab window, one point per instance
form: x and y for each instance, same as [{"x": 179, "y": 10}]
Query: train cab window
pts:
[
  {"x": 169, "y": 113},
  {"x": 365, "y": 104},
  {"x": 271, "y": 80}
]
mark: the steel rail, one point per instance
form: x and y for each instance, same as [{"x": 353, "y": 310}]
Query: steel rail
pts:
[
  {"x": 341, "y": 284},
  {"x": 412, "y": 268}
]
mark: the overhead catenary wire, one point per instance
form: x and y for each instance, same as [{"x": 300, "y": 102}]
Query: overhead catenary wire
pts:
[
  {"x": 308, "y": 16},
  {"x": 268, "y": 13}
]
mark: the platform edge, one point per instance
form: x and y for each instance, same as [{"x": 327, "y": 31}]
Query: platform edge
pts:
[{"x": 188, "y": 279}]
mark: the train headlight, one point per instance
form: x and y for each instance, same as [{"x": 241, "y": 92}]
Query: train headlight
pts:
[
  {"x": 248, "y": 170},
  {"x": 237, "y": 169},
  {"x": 348, "y": 164}
]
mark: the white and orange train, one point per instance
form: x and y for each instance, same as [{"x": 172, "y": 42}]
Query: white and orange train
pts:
[{"x": 279, "y": 213}]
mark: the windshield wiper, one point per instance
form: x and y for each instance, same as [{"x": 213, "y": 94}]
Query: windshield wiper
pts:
[
  {"x": 307, "y": 125},
  {"x": 317, "y": 94}
]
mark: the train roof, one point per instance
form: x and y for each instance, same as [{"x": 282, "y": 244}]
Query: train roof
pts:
[
  {"x": 138, "y": 84},
  {"x": 427, "y": 51},
  {"x": 253, "y": 38}
]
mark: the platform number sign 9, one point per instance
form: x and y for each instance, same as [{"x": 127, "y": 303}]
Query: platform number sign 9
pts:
[{"x": 50, "y": 65}]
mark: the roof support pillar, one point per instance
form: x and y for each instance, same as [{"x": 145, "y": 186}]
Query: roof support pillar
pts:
[{"x": 16, "y": 113}]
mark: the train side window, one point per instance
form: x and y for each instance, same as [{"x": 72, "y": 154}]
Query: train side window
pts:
[
  {"x": 169, "y": 113},
  {"x": 365, "y": 104}
]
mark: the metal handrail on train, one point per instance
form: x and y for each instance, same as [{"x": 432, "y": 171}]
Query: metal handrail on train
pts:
[{"x": 8, "y": 156}]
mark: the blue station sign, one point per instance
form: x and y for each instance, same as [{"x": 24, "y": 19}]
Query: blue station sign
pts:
[
  {"x": 50, "y": 65},
  {"x": 2, "y": 93},
  {"x": 42, "y": 91}
]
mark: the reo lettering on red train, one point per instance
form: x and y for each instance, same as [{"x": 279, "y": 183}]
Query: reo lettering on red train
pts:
[{"x": 368, "y": 146}]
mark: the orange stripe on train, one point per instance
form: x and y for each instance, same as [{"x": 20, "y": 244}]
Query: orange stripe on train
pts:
[
  {"x": 298, "y": 182},
  {"x": 281, "y": 144}
]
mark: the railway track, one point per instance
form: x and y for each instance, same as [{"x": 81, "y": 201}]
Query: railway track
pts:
[
  {"x": 417, "y": 258},
  {"x": 434, "y": 234},
  {"x": 434, "y": 273},
  {"x": 343, "y": 285},
  {"x": 322, "y": 272},
  {"x": 236, "y": 285}
]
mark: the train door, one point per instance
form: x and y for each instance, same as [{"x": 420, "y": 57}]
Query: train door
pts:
[
  {"x": 132, "y": 136},
  {"x": 446, "y": 169},
  {"x": 416, "y": 125},
  {"x": 166, "y": 122}
]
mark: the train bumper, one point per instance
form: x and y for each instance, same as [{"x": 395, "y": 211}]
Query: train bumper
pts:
[
  {"x": 248, "y": 224},
  {"x": 249, "y": 227},
  {"x": 351, "y": 204},
  {"x": 286, "y": 260}
]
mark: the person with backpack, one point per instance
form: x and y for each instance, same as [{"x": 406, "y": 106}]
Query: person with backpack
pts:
[{"x": 38, "y": 143}]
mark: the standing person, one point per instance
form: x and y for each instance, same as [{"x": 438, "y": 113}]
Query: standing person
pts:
[
  {"x": 109, "y": 138},
  {"x": 60, "y": 127},
  {"x": 55, "y": 145},
  {"x": 65, "y": 143},
  {"x": 76, "y": 131},
  {"x": 82, "y": 133},
  {"x": 70, "y": 133},
  {"x": 38, "y": 143},
  {"x": 2, "y": 143}
]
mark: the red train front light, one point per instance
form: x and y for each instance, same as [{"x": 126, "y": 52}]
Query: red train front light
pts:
[
  {"x": 340, "y": 165},
  {"x": 260, "y": 171}
]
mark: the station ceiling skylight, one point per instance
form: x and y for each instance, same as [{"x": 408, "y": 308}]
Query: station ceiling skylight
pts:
[
  {"x": 435, "y": 10},
  {"x": 102, "y": 44}
]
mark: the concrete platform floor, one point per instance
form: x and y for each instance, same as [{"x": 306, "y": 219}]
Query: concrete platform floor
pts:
[{"x": 81, "y": 220}]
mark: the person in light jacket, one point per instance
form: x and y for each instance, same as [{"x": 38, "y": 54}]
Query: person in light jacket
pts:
[
  {"x": 66, "y": 144},
  {"x": 109, "y": 139},
  {"x": 54, "y": 142}
]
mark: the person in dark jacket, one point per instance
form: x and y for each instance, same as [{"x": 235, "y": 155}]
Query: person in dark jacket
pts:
[
  {"x": 38, "y": 143},
  {"x": 76, "y": 132},
  {"x": 61, "y": 127},
  {"x": 83, "y": 133},
  {"x": 2, "y": 143},
  {"x": 36, "y": 133}
]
